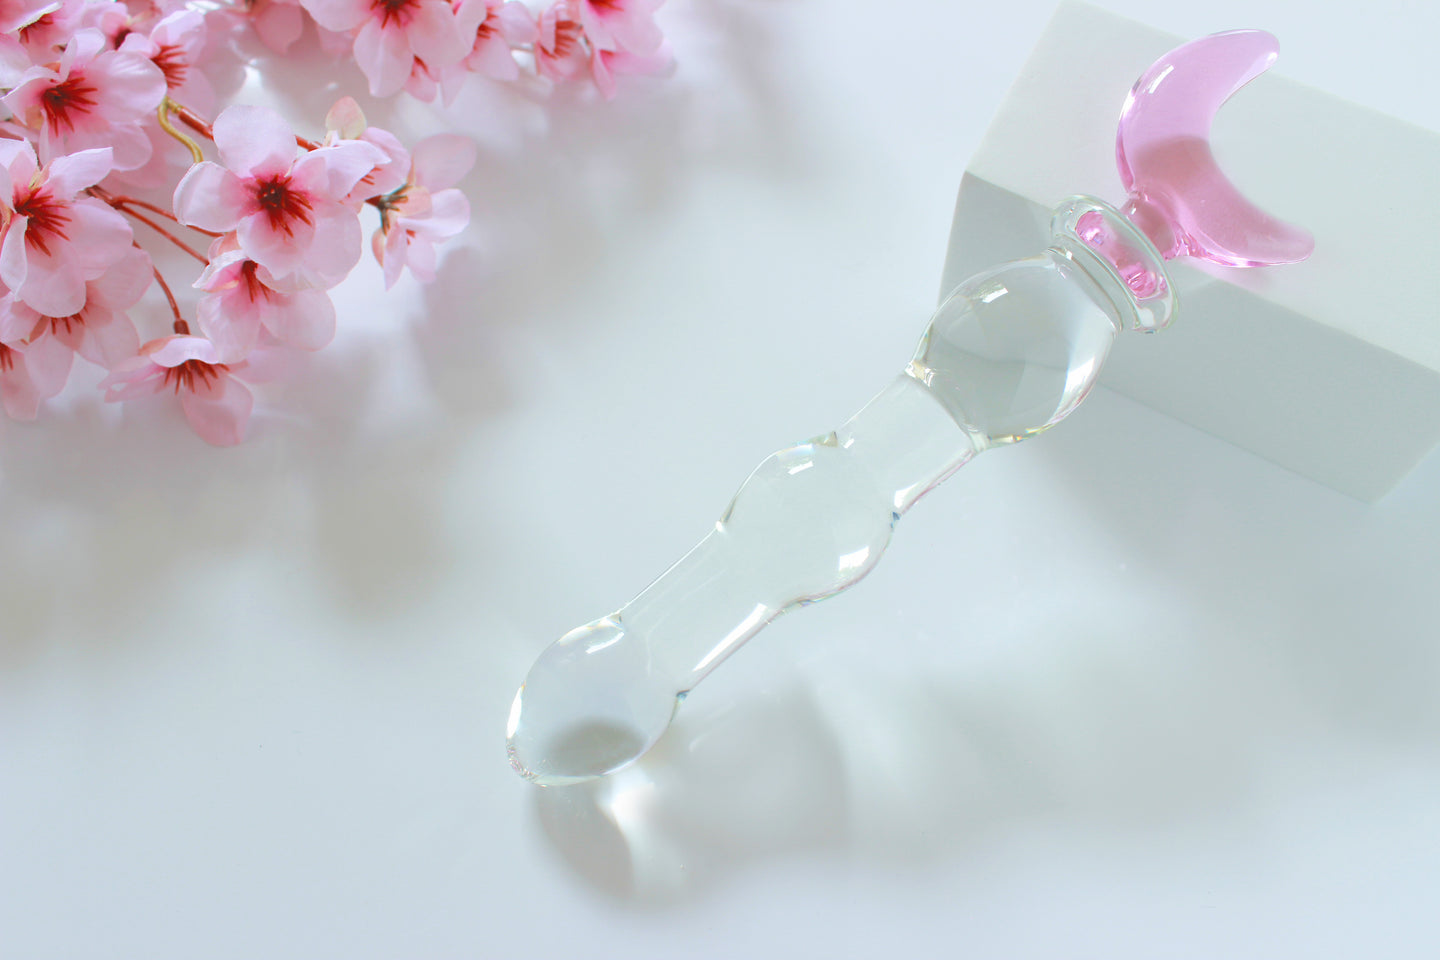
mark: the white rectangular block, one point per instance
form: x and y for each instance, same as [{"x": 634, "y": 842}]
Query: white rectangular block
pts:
[{"x": 1330, "y": 367}]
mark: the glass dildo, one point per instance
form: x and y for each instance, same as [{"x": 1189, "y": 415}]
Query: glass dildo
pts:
[{"x": 1009, "y": 354}]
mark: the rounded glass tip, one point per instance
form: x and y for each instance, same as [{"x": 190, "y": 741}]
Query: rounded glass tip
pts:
[{"x": 593, "y": 703}]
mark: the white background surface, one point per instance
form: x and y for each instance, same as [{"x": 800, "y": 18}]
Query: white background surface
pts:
[{"x": 1125, "y": 692}]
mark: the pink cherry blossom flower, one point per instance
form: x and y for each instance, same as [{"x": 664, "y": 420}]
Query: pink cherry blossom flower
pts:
[
  {"x": 424, "y": 81},
  {"x": 31, "y": 372},
  {"x": 392, "y": 35},
  {"x": 499, "y": 26},
  {"x": 51, "y": 29},
  {"x": 16, "y": 14},
  {"x": 346, "y": 121},
  {"x": 242, "y": 299},
  {"x": 288, "y": 214},
  {"x": 619, "y": 24},
  {"x": 216, "y": 404},
  {"x": 56, "y": 240},
  {"x": 91, "y": 98},
  {"x": 560, "y": 51},
  {"x": 606, "y": 65},
  {"x": 108, "y": 16},
  {"x": 427, "y": 210},
  {"x": 100, "y": 331},
  {"x": 175, "y": 45}
]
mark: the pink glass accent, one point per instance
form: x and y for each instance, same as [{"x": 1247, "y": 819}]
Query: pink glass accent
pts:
[
  {"x": 1130, "y": 263},
  {"x": 1178, "y": 195}
]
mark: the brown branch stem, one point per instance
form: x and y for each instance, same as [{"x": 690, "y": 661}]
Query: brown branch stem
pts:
[
  {"x": 180, "y": 326},
  {"x": 166, "y": 234}
]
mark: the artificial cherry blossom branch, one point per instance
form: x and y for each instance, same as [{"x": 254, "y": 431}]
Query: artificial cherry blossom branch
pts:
[{"x": 92, "y": 93}]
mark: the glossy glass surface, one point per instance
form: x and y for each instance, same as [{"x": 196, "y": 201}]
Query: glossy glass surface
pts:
[
  {"x": 1178, "y": 194},
  {"x": 1012, "y": 351},
  {"x": 810, "y": 521},
  {"x": 1007, "y": 356}
]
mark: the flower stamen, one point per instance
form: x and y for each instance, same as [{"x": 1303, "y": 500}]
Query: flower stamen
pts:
[
  {"x": 397, "y": 12},
  {"x": 281, "y": 203},
  {"x": 171, "y": 61},
  {"x": 65, "y": 100},
  {"x": 185, "y": 375},
  {"x": 47, "y": 219},
  {"x": 254, "y": 288}
]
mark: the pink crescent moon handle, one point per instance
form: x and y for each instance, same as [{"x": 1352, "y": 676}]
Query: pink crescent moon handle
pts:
[{"x": 1178, "y": 195}]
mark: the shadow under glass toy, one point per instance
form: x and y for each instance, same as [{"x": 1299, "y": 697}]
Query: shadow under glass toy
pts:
[{"x": 1009, "y": 354}]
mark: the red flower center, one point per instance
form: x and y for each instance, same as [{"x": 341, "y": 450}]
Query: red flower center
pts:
[
  {"x": 188, "y": 373},
  {"x": 282, "y": 204},
  {"x": 7, "y": 358},
  {"x": 254, "y": 288},
  {"x": 172, "y": 63},
  {"x": 397, "y": 12},
  {"x": 567, "y": 37},
  {"x": 36, "y": 26},
  {"x": 617, "y": 6},
  {"x": 56, "y": 324},
  {"x": 47, "y": 217},
  {"x": 63, "y": 103}
]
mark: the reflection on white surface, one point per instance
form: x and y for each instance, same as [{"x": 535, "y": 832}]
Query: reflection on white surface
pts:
[{"x": 726, "y": 788}]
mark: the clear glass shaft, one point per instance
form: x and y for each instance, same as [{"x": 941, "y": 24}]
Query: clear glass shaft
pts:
[{"x": 1009, "y": 354}]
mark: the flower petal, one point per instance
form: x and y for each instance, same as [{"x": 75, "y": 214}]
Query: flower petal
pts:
[
  {"x": 385, "y": 57},
  {"x": 304, "y": 320},
  {"x": 254, "y": 141},
  {"x": 49, "y": 362},
  {"x": 636, "y": 33},
  {"x": 443, "y": 160},
  {"x": 434, "y": 35},
  {"x": 136, "y": 377},
  {"x": 54, "y": 285},
  {"x": 338, "y": 15},
  {"x": 125, "y": 283},
  {"x": 108, "y": 338},
  {"x": 420, "y": 257},
  {"x": 493, "y": 58},
  {"x": 210, "y": 197},
  {"x": 18, "y": 159},
  {"x": 131, "y": 144},
  {"x": 232, "y": 322},
  {"x": 175, "y": 350},
  {"x": 334, "y": 251},
  {"x": 346, "y": 119},
  {"x": 14, "y": 265},
  {"x": 218, "y": 410},
  {"x": 517, "y": 23},
  {"x": 102, "y": 237},
  {"x": 449, "y": 215},
  {"x": 17, "y": 393},
  {"x": 16, "y": 320},
  {"x": 395, "y": 250},
  {"x": 279, "y": 251},
  {"x": 130, "y": 86},
  {"x": 73, "y": 172},
  {"x": 343, "y": 165}
]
